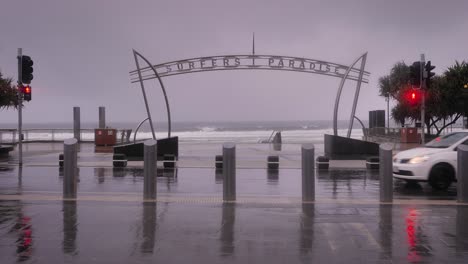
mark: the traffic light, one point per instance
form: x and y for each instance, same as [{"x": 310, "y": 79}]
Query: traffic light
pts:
[
  {"x": 26, "y": 69},
  {"x": 464, "y": 99},
  {"x": 428, "y": 67},
  {"x": 413, "y": 96},
  {"x": 27, "y": 93},
  {"x": 415, "y": 73}
]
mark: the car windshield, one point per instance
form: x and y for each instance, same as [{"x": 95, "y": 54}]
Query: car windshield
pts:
[{"x": 446, "y": 141}]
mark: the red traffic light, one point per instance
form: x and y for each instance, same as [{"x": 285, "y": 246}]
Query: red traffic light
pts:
[
  {"x": 413, "y": 96},
  {"x": 27, "y": 93}
]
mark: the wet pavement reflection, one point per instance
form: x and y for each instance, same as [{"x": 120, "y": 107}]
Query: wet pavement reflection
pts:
[
  {"x": 461, "y": 236},
  {"x": 70, "y": 227},
  {"x": 386, "y": 231},
  {"x": 272, "y": 176},
  {"x": 334, "y": 184},
  {"x": 149, "y": 227},
  {"x": 306, "y": 231},
  {"x": 95, "y": 232},
  {"x": 227, "y": 229},
  {"x": 194, "y": 229}
]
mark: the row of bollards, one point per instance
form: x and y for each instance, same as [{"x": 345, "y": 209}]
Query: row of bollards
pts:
[
  {"x": 272, "y": 162},
  {"x": 228, "y": 164},
  {"x": 229, "y": 171}
]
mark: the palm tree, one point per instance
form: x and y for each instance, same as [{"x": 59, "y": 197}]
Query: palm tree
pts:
[
  {"x": 398, "y": 79},
  {"x": 8, "y": 94},
  {"x": 392, "y": 84}
]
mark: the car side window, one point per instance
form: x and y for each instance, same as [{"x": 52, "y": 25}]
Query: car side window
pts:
[{"x": 463, "y": 143}]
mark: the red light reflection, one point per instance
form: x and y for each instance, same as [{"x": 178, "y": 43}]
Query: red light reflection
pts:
[
  {"x": 24, "y": 242},
  {"x": 411, "y": 219}
]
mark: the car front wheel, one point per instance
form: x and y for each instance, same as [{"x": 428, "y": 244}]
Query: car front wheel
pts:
[{"x": 441, "y": 177}]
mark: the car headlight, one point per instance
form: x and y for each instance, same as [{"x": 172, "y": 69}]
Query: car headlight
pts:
[{"x": 418, "y": 159}]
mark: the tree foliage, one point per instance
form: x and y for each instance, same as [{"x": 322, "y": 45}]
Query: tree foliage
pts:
[
  {"x": 444, "y": 102},
  {"x": 8, "y": 95}
]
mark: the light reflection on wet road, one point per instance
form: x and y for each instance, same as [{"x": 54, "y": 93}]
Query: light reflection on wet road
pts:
[{"x": 56, "y": 231}]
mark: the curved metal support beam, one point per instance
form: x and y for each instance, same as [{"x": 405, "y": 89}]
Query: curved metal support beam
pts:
[
  {"x": 356, "y": 94},
  {"x": 144, "y": 94},
  {"x": 363, "y": 127},
  {"x": 163, "y": 90},
  {"x": 138, "y": 127},
  {"x": 338, "y": 95}
]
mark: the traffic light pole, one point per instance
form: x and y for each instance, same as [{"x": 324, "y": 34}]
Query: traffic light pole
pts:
[
  {"x": 20, "y": 104},
  {"x": 423, "y": 98}
]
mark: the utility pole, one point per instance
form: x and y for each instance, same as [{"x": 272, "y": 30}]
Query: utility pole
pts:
[
  {"x": 422, "y": 87},
  {"x": 388, "y": 110},
  {"x": 20, "y": 105}
]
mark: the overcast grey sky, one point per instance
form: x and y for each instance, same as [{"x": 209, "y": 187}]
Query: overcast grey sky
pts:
[{"x": 82, "y": 53}]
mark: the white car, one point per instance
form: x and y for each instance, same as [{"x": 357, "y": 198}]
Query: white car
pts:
[{"x": 435, "y": 163}]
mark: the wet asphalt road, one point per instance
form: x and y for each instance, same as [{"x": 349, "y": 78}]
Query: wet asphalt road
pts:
[{"x": 110, "y": 223}]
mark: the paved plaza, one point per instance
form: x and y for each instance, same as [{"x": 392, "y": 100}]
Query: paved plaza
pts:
[{"x": 109, "y": 222}]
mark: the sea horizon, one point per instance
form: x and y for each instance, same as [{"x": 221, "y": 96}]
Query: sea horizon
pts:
[{"x": 195, "y": 125}]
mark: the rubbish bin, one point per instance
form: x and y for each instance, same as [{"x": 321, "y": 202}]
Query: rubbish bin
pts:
[
  {"x": 409, "y": 135},
  {"x": 105, "y": 136}
]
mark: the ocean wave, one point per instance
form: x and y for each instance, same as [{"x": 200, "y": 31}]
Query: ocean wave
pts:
[
  {"x": 205, "y": 134},
  {"x": 207, "y": 129}
]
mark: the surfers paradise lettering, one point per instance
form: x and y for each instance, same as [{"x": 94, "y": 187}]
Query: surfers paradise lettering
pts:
[
  {"x": 240, "y": 62},
  {"x": 272, "y": 62}
]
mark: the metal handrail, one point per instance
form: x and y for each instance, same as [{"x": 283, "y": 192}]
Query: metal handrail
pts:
[
  {"x": 363, "y": 127},
  {"x": 13, "y": 135},
  {"x": 271, "y": 136},
  {"x": 138, "y": 127}
]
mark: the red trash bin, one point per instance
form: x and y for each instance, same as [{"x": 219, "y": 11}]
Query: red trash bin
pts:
[
  {"x": 105, "y": 136},
  {"x": 409, "y": 135}
]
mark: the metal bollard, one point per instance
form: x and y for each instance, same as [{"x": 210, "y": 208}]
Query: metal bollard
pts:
[
  {"x": 169, "y": 161},
  {"x": 150, "y": 169},
  {"x": 70, "y": 168},
  {"x": 219, "y": 161},
  {"x": 119, "y": 160},
  {"x": 323, "y": 162},
  {"x": 102, "y": 117},
  {"x": 308, "y": 173},
  {"x": 61, "y": 160},
  {"x": 229, "y": 172},
  {"x": 76, "y": 123},
  {"x": 372, "y": 163},
  {"x": 273, "y": 162},
  {"x": 386, "y": 173},
  {"x": 462, "y": 174}
]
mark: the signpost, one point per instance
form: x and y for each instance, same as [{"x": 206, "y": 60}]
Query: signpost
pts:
[
  {"x": 423, "y": 97},
  {"x": 20, "y": 106},
  {"x": 252, "y": 62}
]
